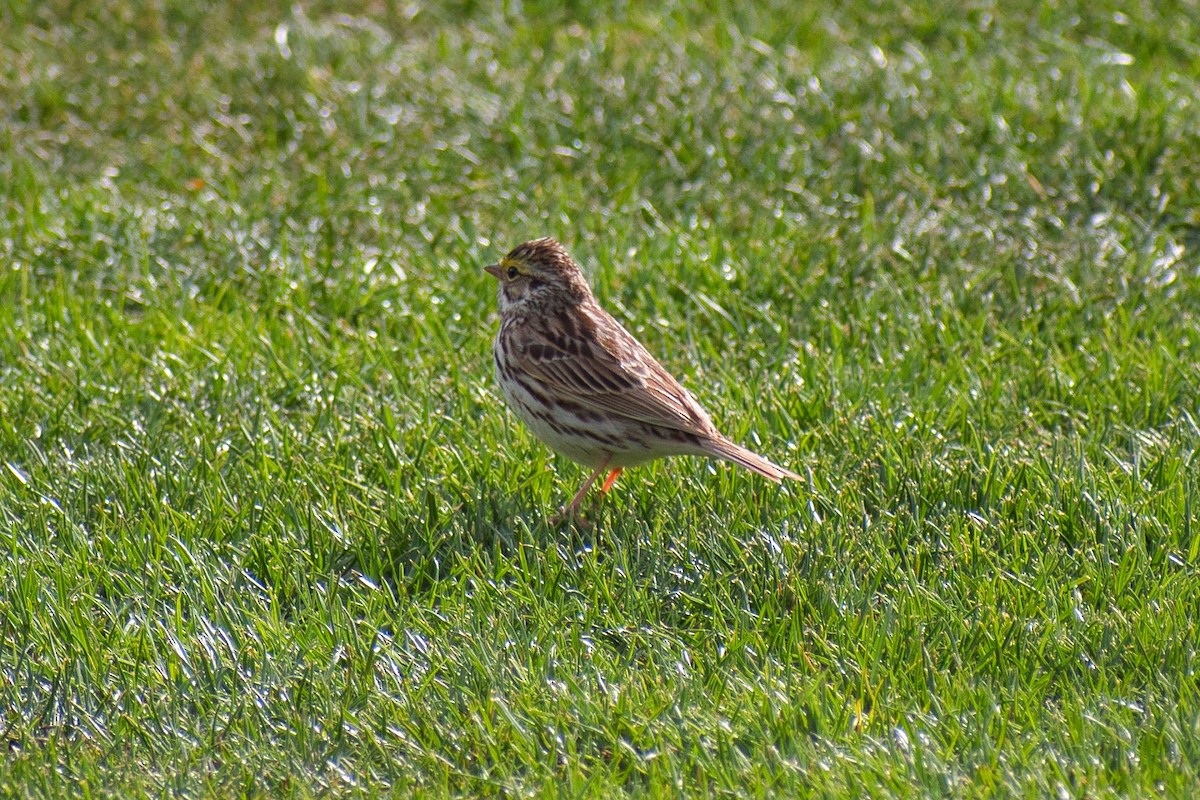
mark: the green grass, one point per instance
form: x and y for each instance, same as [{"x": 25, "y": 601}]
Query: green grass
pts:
[{"x": 267, "y": 529}]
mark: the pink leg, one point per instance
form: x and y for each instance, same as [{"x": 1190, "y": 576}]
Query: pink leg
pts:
[
  {"x": 611, "y": 479},
  {"x": 570, "y": 508}
]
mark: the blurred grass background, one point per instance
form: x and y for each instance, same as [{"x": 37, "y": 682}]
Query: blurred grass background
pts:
[{"x": 266, "y": 528}]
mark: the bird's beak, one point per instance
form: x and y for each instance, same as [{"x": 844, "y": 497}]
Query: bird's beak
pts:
[{"x": 493, "y": 270}]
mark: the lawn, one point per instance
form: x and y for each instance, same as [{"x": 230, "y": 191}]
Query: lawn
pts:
[{"x": 268, "y": 530}]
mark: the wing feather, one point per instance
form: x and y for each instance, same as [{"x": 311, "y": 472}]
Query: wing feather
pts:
[{"x": 606, "y": 370}]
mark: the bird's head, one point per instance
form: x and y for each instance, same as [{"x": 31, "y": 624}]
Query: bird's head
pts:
[{"x": 538, "y": 274}]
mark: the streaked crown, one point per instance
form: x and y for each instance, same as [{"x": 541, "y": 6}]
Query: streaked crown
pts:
[
  {"x": 547, "y": 258},
  {"x": 541, "y": 270}
]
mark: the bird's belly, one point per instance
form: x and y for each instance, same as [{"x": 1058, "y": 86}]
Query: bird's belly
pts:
[
  {"x": 586, "y": 450},
  {"x": 560, "y": 430},
  {"x": 591, "y": 438}
]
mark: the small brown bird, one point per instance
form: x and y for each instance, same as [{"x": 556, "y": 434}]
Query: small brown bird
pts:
[{"x": 584, "y": 385}]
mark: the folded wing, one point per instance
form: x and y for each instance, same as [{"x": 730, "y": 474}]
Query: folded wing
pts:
[{"x": 609, "y": 371}]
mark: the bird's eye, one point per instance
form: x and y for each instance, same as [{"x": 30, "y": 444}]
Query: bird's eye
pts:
[{"x": 513, "y": 273}]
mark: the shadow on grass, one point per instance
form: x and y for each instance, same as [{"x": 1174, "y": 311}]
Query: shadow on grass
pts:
[{"x": 415, "y": 554}]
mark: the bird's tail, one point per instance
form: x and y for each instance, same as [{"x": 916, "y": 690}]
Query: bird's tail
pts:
[{"x": 723, "y": 448}]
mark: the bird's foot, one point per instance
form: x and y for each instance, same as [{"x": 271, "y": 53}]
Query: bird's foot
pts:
[{"x": 569, "y": 514}]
